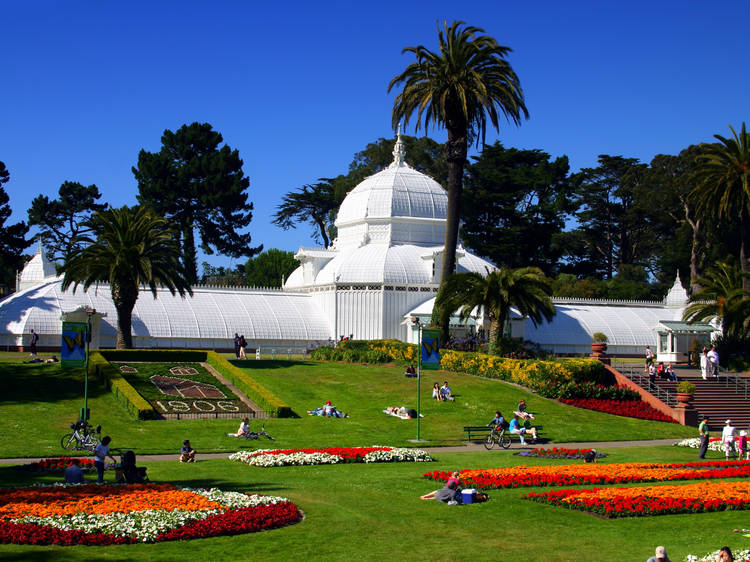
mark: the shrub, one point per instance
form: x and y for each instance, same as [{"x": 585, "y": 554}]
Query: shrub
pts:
[
  {"x": 599, "y": 337},
  {"x": 685, "y": 387},
  {"x": 121, "y": 389}
]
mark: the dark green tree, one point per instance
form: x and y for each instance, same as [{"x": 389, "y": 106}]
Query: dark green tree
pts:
[
  {"x": 12, "y": 238},
  {"x": 611, "y": 230},
  {"x": 128, "y": 247},
  {"x": 721, "y": 296},
  {"x": 224, "y": 276},
  {"x": 515, "y": 204},
  {"x": 312, "y": 203},
  {"x": 723, "y": 190},
  {"x": 270, "y": 268},
  {"x": 467, "y": 83},
  {"x": 422, "y": 153},
  {"x": 198, "y": 185},
  {"x": 526, "y": 289},
  {"x": 62, "y": 221}
]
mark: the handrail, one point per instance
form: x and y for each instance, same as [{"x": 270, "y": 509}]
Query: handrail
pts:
[
  {"x": 642, "y": 379},
  {"x": 732, "y": 376}
]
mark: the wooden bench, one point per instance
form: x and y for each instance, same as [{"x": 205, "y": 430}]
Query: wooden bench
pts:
[{"x": 480, "y": 432}]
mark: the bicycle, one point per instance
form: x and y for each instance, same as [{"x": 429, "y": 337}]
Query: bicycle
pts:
[
  {"x": 497, "y": 436},
  {"x": 83, "y": 438},
  {"x": 257, "y": 434}
]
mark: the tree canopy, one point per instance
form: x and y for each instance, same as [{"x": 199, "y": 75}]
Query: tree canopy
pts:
[
  {"x": 198, "y": 185},
  {"x": 270, "y": 268},
  {"x": 127, "y": 247},
  {"x": 63, "y": 221},
  {"x": 12, "y": 238}
]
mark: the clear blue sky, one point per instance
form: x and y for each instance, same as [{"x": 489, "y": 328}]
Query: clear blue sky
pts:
[{"x": 299, "y": 87}]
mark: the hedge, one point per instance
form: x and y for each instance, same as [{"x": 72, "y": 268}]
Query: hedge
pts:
[
  {"x": 259, "y": 394},
  {"x": 121, "y": 389}
]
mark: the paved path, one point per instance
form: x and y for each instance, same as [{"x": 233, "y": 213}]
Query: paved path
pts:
[{"x": 469, "y": 447}]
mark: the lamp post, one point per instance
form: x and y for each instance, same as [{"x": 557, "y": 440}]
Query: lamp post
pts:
[
  {"x": 85, "y": 411},
  {"x": 416, "y": 321}
]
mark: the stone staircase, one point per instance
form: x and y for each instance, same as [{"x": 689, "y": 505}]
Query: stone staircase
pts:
[{"x": 722, "y": 399}]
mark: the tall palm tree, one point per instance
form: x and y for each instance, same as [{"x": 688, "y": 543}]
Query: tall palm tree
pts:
[
  {"x": 460, "y": 87},
  {"x": 724, "y": 188},
  {"x": 721, "y": 296},
  {"x": 133, "y": 247},
  {"x": 526, "y": 289}
]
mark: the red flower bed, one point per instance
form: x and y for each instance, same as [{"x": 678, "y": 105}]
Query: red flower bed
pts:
[
  {"x": 627, "y": 408},
  {"x": 348, "y": 453},
  {"x": 571, "y": 475},
  {"x": 56, "y": 464}
]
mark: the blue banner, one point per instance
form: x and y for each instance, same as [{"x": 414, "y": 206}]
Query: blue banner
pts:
[
  {"x": 430, "y": 348},
  {"x": 73, "y": 347}
]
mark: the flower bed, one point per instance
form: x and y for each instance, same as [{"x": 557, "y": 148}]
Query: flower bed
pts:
[
  {"x": 297, "y": 457},
  {"x": 573, "y": 474},
  {"x": 558, "y": 453},
  {"x": 639, "y": 501},
  {"x": 739, "y": 555},
  {"x": 627, "y": 408},
  {"x": 714, "y": 443},
  {"x": 56, "y": 464},
  {"x": 103, "y": 515}
]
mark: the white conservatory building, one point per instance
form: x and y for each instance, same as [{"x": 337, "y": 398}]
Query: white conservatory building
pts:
[{"x": 381, "y": 271}]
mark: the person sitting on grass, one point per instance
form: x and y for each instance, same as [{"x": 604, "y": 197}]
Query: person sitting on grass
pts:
[
  {"x": 74, "y": 473},
  {"x": 447, "y": 494},
  {"x": 410, "y": 372},
  {"x": 436, "y": 392},
  {"x": 516, "y": 427},
  {"x": 328, "y": 411},
  {"x": 244, "y": 429},
  {"x": 522, "y": 413},
  {"x": 445, "y": 391},
  {"x": 187, "y": 453}
]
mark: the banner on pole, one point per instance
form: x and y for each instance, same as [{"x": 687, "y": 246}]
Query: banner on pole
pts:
[
  {"x": 73, "y": 346},
  {"x": 430, "y": 348}
]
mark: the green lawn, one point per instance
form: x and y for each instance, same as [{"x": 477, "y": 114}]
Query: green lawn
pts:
[
  {"x": 358, "y": 511},
  {"x": 40, "y": 401}
]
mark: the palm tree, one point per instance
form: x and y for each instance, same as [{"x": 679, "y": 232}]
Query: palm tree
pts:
[
  {"x": 133, "y": 247},
  {"x": 724, "y": 187},
  {"x": 526, "y": 289},
  {"x": 461, "y": 87},
  {"x": 721, "y": 296}
]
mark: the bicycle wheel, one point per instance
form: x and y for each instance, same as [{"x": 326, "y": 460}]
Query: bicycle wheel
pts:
[
  {"x": 90, "y": 442},
  {"x": 271, "y": 438},
  {"x": 490, "y": 441},
  {"x": 68, "y": 441},
  {"x": 504, "y": 441}
]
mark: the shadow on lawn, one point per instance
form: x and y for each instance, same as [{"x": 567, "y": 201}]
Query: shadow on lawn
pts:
[
  {"x": 268, "y": 363},
  {"x": 230, "y": 486},
  {"x": 31, "y": 383}
]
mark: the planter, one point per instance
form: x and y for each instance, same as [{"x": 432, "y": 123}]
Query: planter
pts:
[
  {"x": 684, "y": 397},
  {"x": 599, "y": 347}
]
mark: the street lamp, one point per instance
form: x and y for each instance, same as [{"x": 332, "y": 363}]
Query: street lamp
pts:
[
  {"x": 416, "y": 321},
  {"x": 85, "y": 411}
]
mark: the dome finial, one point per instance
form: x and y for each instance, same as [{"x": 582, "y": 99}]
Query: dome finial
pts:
[{"x": 399, "y": 154}]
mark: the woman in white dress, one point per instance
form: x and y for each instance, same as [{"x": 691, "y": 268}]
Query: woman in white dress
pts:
[{"x": 704, "y": 365}]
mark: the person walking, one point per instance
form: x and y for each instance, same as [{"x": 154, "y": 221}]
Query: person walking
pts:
[
  {"x": 237, "y": 345},
  {"x": 704, "y": 364},
  {"x": 713, "y": 362},
  {"x": 704, "y": 437},
  {"x": 100, "y": 452},
  {"x": 34, "y": 340},
  {"x": 727, "y": 439},
  {"x": 649, "y": 357},
  {"x": 243, "y": 345}
]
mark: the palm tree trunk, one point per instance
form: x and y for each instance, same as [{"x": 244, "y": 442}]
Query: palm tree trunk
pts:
[
  {"x": 496, "y": 336},
  {"x": 744, "y": 247},
  {"x": 124, "y": 297},
  {"x": 455, "y": 154}
]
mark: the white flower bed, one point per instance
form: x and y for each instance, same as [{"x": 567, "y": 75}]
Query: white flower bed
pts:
[
  {"x": 146, "y": 525},
  {"x": 265, "y": 458},
  {"x": 399, "y": 455},
  {"x": 695, "y": 443},
  {"x": 711, "y": 557}
]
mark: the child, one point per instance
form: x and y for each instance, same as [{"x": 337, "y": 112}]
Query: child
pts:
[{"x": 742, "y": 446}]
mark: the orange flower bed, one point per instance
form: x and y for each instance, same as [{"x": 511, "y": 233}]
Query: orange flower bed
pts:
[
  {"x": 652, "y": 500},
  {"x": 573, "y": 474},
  {"x": 51, "y": 501}
]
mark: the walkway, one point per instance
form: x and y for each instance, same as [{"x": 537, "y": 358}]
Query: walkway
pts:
[{"x": 469, "y": 447}]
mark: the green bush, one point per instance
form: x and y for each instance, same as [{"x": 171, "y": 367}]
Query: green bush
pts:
[
  {"x": 121, "y": 389},
  {"x": 685, "y": 387},
  {"x": 154, "y": 355}
]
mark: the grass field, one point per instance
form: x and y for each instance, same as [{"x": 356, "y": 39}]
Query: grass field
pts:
[{"x": 358, "y": 511}]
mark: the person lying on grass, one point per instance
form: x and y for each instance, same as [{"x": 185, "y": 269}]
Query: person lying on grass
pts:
[{"x": 449, "y": 493}]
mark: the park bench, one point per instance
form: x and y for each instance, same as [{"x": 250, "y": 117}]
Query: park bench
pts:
[{"x": 480, "y": 433}]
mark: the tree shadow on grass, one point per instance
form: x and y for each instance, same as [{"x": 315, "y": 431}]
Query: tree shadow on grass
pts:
[
  {"x": 230, "y": 486},
  {"x": 30, "y": 383},
  {"x": 268, "y": 363}
]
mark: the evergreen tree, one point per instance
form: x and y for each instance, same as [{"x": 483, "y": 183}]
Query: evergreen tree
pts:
[
  {"x": 12, "y": 238},
  {"x": 198, "y": 185}
]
